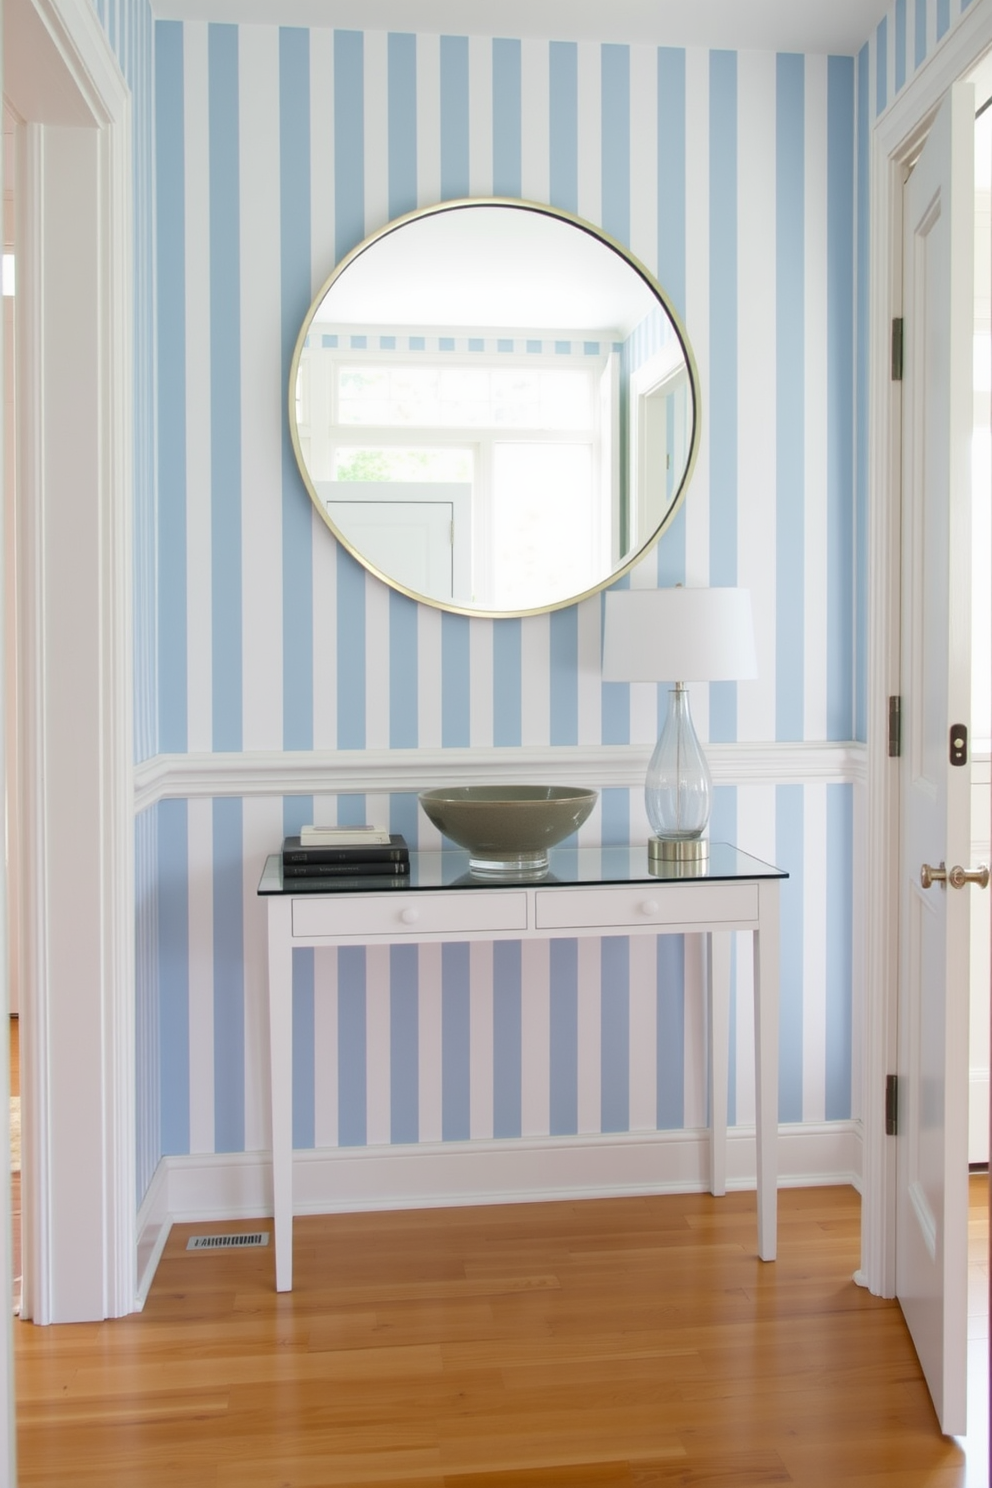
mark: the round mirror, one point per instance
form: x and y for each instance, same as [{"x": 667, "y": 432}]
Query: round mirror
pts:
[{"x": 494, "y": 407}]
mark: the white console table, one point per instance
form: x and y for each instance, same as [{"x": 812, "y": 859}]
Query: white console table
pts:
[{"x": 589, "y": 891}]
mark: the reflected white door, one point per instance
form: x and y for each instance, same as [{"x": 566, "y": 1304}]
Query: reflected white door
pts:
[{"x": 932, "y": 1219}]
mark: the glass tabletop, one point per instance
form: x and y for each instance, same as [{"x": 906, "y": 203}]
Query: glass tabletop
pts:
[{"x": 449, "y": 869}]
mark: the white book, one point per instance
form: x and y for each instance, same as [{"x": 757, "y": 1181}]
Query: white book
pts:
[{"x": 344, "y": 836}]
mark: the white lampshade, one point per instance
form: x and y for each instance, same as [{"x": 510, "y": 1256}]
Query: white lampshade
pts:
[{"x": 678, "y": 635}]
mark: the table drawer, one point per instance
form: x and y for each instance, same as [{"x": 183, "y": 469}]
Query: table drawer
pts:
[
  {"x": 397, "y": 914},
  {"x": 643, "y": 904}
]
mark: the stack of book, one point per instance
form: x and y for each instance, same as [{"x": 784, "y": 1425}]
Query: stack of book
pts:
[{"x": 345, "y": 858}]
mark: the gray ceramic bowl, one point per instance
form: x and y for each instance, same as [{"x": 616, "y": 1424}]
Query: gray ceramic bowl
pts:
[{"x": 508, "y": 828}]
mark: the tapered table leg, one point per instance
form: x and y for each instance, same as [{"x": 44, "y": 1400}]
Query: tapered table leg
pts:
[
  {"x": 281, "y": 1069},
  {"x": 718, "y": 1007},
  {"x": 766, "y": 999}
]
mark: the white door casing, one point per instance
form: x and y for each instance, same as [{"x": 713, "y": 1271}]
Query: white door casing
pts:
[{"x": 934, "y": 960}]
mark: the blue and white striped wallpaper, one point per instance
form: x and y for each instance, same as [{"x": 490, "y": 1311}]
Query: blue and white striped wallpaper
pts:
[{"x": 742, "y": 180}]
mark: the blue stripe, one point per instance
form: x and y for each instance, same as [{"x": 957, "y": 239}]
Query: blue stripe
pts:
[
  {"x": 171, "y": 328},
  {"x": 615, "y": 85},
  {"x": 404, "y": 1084},
  {"x": 506, "y": 682},
  {"x": 455, "y": 686},
  {"x": 404, "y": 816},
  {"x": 507, "y": 1038},
  {"x": 614, "y": 816},
  {"x": 671, "y": 174},
  {"x": 840, "y": 396},
  {"x": 229, "y": 985},
  {"x": 297, "y": 511},
  {"x": 789, "y": 854},
  {"x": 352, "y": 1094},
  {"x": 670, "y": 1113},
  {"x": 351, "y": 810},
  {"x": 402, "y": 127},
  {"x": 403, "y": 671},
  {"x": 790, "y": 389},
  {"x": 304, "y": 1073},
  {"x": 454, "y": 117},
  {"x": 723, "y": 814},
  {"x": 351, "y": 651},
  {"x": 456, "y": 1048},
  {"x": 943, "y": 18},
  {"x": 506, "y": 118},
  {"x": 225, "y": 387},
  {"x": 564, "y": 1072},
  {"x": 920, "y": 39},
  {"x": 723, "y": 358},
  {"x": 881, "y": 65},
  {"x": 564, "y": 679},
  {"x": 349, "y": 142},
  {"x": 173, "y": 974},
  {"x": 563, "y": 122},
  {"x": 840, "y": 954},
  {"x": 861, "y": 419},
  {"x": 615, "y": 1033},
  {"x": 900, "y": 79}
]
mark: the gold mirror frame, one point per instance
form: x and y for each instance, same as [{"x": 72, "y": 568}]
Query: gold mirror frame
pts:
[{"x": 651, "y": 283}]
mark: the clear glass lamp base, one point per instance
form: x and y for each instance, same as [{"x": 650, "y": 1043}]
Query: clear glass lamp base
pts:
[{"x": 678, "y": 788}]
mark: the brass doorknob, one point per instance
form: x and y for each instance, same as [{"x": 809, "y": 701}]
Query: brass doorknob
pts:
[
  {"x": 958, "y": 876},
  {"x": 929, "y": 876}
]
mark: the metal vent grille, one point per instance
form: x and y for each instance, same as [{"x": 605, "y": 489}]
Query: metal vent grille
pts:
[{"x": 227, "y": 1242}]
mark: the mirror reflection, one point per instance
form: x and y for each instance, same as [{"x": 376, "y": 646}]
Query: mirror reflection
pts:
[{"x": 494, "y": 407}]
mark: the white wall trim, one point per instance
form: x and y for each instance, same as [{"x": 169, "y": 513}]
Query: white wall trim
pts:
[
  {"x": 324, "y": 772},
  {"x": 225, "y": 1186},
  {"x": 896, "y": 137}
]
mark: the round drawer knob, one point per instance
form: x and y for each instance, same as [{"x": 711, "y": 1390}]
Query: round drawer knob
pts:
[
  {"x": 409, "y": 916},
  {"x": 649, "y": 906}
]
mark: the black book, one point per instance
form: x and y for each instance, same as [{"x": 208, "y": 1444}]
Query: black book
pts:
[
  {"x": 341, "y": 870},
  {"x": 326, "y": 883},
  {"x": 397, "y": 852}
]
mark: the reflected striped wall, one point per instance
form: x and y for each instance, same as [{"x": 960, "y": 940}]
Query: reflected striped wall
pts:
[{"x": 733, "y": 177}]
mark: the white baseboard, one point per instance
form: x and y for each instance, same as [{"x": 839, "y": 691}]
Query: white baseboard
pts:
[{"x": 223, "y": 1186}]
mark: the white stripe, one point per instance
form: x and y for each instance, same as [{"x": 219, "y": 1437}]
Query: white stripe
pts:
[
  {"x": 815, "y": 413},
  {"x": 428, "y": 120},
  {"x": 535, "y": 680},
  {"x": 262, "y": 396},
  {"x": 480, "y": 116},
  {"x": 321, "y": 157},
  {"x": 376, "y": 122},
  {"x": 697, "y": 318},
  {"x": 814, "y": 952},
  {"x": 694, "y": 1054},
  {"x": 428, "y": 677},
  {"x": 262, "y": 831},
  {"x": 325, "y": 1047},
  {"x": 589, "y": 1034},
  {"x": 756, "y": 835},
  {"x": 590, "y": 140},
  {"x": 480, "y": 659},
  {"x": 199, "y": 614},
  {"x": 535, "y": 121},
  {"x": 200, "y": 840},
  {"x": 378, "y": 1064},
  {"x": 643, "y": 1033},
  {"x": 535, "y": 1038},
  {"x": 644, "y": 155},
  {"x": 377, "y": 660},
  {"x": 429, "y": 1044},
  {"x": 481, "y": 1039},
  {"x": 756, "y": 318}
]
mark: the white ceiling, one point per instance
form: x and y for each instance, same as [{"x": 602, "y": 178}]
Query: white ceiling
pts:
[{"x": 836, "y": 26}]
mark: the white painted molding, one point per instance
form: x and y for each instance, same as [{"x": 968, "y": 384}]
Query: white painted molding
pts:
[
  {"x": 327, "y": 772},
  {"x": 896, "y": 137},
  {"x": 227, "y": 1186}
]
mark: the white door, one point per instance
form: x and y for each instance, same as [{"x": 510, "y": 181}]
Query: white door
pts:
[{"x": 932, "y": 1218}]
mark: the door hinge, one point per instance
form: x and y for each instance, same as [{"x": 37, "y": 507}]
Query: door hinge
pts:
[
  {"x": 892, "y": 1105},
  {"x": 897, "y": 330},
  {"x": 895, "y": 727}
]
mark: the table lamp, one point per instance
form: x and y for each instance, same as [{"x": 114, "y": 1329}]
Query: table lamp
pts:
[{"x": 695, "y": 635}]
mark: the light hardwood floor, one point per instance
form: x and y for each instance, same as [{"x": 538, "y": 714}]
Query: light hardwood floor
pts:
[{"x": 561, "y": 1345}]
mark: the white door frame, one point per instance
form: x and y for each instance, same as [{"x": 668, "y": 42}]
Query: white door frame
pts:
[
  {"x": 75, "y": 431},
  {"x": 896, "y": 139}
]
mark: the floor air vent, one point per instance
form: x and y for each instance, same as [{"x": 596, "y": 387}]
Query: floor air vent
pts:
[{"x": 227, "y": 1242}]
